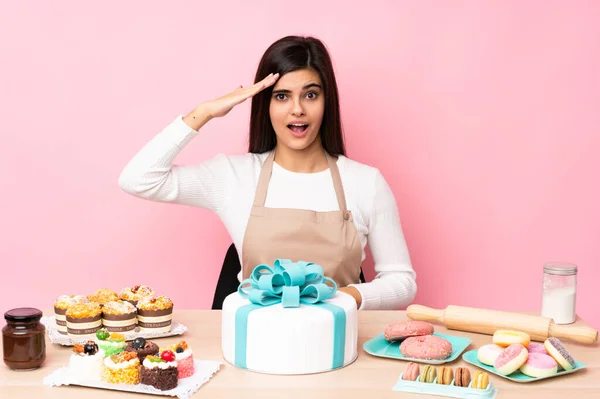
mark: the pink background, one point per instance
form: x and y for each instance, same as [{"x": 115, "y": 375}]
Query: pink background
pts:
[{"x": 482, "y": 116}]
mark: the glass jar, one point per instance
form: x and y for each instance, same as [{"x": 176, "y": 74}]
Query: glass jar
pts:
[
  {"x": 23, "y": 339},
  {"x": 559, "y": 292}
]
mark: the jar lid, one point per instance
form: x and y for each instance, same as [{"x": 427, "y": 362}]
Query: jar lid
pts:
[
  {"x": 24, "y": 315},
  {"x": 560, "y": 268}
]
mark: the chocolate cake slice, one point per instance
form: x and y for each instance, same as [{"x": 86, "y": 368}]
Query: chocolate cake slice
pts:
[{"x": 142, "y": 347}]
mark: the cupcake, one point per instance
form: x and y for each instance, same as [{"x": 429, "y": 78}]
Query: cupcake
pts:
[
  {"x": 160, "y": 371},
  {"x": 142, "y": 347},
  {"x": 83, "y": 320},
  {"x": 155, "y": 313},
  {"x": 61, "y": 305},
  {"x": 123, "y": 368},
  {"x": 110, "y": 343},
  {"x": 135, "y": 293},
  {"x": 102, "y": 296},
  {"x": 184, "y": 357},
  {"x": 86, "y": 363},
  {"x": 119, "y": 316}
]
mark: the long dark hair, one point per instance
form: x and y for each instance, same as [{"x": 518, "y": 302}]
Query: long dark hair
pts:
[{"x": 289, "y": 54}]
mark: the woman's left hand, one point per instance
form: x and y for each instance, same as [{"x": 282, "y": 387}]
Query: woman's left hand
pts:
[{"x": 354, "y": 293}]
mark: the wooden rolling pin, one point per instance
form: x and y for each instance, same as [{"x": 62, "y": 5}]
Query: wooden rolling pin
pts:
[{"x": 486, "y": 321}]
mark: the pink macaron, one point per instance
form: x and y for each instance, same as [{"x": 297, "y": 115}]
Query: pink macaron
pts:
[
  {"x": 539, "y": 365},
  {"x": 536, "y": 348},
  {"x": 411, "y": 372},
  {"x": 430, "y": 347},
  {"x": 511, "y": 359},
  {"x": 398, "y": 331}
]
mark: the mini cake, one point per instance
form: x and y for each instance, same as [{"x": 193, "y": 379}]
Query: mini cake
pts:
[
  {"x": 123, "y": 368},
  {"x": 160, "y": 371},
  {"x": 61, "y": 305},
  {"x": 185, "y": 359},
  {"x": 155, "y": 313},
  {"x": 119, "y": 316},
  {"x": 83, "y": 320},
  {"x": 102, "y": 296},
  {"x": 135, "y": 293},
  {"x": 86, "y": 362},
  {"x": 142, "y": 347},
  {"x": 110, "y": 343}
]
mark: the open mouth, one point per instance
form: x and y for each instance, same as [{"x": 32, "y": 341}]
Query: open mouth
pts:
[{"x": 297, "y": 128}]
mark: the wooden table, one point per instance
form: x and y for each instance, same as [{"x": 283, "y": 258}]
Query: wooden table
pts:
[{"x": 368, "y": 377}]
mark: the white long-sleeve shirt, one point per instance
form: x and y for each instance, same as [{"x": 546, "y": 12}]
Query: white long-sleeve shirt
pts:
[{"x": 226, "y": 185}]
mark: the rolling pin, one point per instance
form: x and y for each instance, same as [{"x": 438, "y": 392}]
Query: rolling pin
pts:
[{"x": 485, "y": 321}]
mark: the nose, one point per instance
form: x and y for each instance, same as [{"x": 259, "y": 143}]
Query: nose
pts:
[{"x": 297, "y": 109}]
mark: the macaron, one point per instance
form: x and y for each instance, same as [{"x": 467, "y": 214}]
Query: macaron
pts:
[
  {"x": 403, "y": 329},
  {"x": 411, "y": 372},
  {"x": 428, "y": 374},
  {"x": 462, "y": 377},
  {"x": 506, "y": 338},
  {"x": 556, "y": 349},
  {"x": 445, "y": 375},
  {"x": 536, "y": 348},
  {"x": 539, "y": 365},
  {"x": 511, "y": 359},
  {"x": 429, "y": 347},
  {"x": 480, "y": 380},
  {"x": 488, "y": 354}
]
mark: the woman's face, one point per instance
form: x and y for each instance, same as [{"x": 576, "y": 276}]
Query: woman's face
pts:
[{"x": 296, "y": 109}]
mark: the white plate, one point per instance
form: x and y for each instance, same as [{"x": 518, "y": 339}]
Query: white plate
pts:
[
  {"x": 186, "y": 387},
  {"x": 62, "y": 339}
]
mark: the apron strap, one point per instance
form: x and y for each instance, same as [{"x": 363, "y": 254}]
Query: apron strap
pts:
[{"x": 267, "y": 170}]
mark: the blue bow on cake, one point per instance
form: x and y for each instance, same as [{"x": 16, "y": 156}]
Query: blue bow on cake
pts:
[{"x": 289, "y": 283}]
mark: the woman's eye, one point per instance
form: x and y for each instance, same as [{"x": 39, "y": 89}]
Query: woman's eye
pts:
[
  {"x": 311, "y": 95},
  {"x": 280, "y": 97}
]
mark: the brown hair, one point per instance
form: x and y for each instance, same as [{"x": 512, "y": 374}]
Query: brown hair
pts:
[{"x": 289, "y": 54}]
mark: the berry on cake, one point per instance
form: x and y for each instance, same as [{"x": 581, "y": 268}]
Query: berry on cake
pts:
[
  {"x": 142, "y": 347},
  {"x": 160, "y": 371},
  {"x": 86, "y": 363},
  {"x": 184, "y": 357}
]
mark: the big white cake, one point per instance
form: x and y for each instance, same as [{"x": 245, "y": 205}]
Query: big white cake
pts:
[{"x": 290, "y": 340}]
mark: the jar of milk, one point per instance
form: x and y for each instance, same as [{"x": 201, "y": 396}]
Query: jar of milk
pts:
[{"x": 559, "y": 292}]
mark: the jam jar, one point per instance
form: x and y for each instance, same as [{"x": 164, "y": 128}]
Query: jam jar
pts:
[{"x": 23, "y": 339}]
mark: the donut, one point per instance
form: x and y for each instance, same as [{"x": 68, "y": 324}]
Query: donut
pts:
[
  {"x": 506, "y": 338},
  {"x": 511, "y": 359},
  {"x": 539, "y": 365},
  {"x": 559, "y": 353},
  {"x": 536, "y": 348},
  {"x": 411, "y": 372},
  {"x": 488, "y": 354},
  {"x": 403, "y": 329},
  {"x": 430, "y": 347}
]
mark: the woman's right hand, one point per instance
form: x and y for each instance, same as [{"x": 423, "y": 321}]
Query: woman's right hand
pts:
[{"x": 221, "y": 106}]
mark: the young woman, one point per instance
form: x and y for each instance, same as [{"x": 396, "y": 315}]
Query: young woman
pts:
[{"x": 294, "y": 195}]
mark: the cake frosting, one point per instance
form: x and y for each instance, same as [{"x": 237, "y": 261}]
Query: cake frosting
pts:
[
  {"x": 86, "y": 363},
  {"x": 119, "y": 316}
]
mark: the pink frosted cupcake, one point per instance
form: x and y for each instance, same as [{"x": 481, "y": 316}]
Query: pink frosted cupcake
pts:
[{"x": 184, "y": 357}]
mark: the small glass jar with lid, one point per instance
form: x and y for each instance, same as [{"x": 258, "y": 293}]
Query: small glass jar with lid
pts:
[
  {"x": 559, "y": 292},
  {"x": 23, "y": 339}
]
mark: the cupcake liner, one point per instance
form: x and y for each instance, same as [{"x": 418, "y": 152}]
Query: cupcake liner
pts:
[
  {"x": 84, "y": 327},
  {"x": 120, "y": 322},
  {"x": 61, "y": 320},
  {"x": 155, "y": 320}
]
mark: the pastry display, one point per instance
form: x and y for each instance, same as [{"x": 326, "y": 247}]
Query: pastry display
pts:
[
  {"x": 429, "y": 347},
  {"x": 155, "y": 313},
  {"x": 119, "y": 316},
  {"x": 110, "y": 343},
  {"x": 86, "y": 363},
  {"x": 184, "y": 357},
  {"x": 102, "y": 296},
  {"x": 83, "y": 320},
  {"x": 446, "y": 376},
  {"x": 142, "y": 347},
  {"x": 123, "y": 368},
  {"x": 160, "y": 371},
  {"x": 399, "y": 331},
  {"x": 135, "y": 293},
  {"x": 61, "y": 305}
]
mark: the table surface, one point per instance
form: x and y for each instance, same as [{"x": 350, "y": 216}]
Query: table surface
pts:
[{"x": 368, "y": 375}]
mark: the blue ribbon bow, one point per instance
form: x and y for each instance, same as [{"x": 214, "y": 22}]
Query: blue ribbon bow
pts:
[{"x": 289, "y": 283}]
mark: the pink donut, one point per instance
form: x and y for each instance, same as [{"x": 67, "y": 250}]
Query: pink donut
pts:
[
  {"x": 403, "y": 329},
  {"x": 429, "y": 347},
  {"x": 539, "y": 365},
  {"x": 537, "y": 348},
  {"x": 511, "y": 359}
]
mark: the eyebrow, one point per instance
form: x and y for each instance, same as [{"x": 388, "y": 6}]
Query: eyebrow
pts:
[{"x": 308, "y": 86}]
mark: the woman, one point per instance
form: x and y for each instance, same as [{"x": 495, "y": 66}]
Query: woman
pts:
[{"x": 294, "y": 195}]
